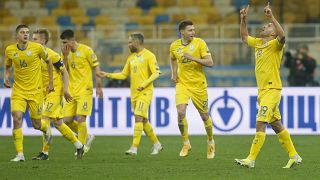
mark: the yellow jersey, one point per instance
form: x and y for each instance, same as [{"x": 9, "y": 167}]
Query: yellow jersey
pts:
[
  {"x": 80, "y": 64},
  {"x": 268, "y": 59},
  {"x": 140, "y": 66},
  {"x": 57, "y": 67},
  {"x": 190, "y": 73},
  {"x": 27, "y": 67}
]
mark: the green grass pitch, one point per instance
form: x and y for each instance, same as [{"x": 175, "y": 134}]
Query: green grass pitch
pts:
[{"x": 106, "y": 160}]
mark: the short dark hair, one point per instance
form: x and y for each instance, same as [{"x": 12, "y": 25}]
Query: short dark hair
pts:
[
  {"x": 20, "y": 26},
  {"x": 137, "y": 36},
  {"x": 67, "y": 34},
  {"x": 184, "y": 24},
  {"x": 44, "y": 32}
]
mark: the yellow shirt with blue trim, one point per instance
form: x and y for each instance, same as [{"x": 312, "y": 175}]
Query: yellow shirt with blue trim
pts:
[
  {"x": 27, "y": 67},
  {"x": 80, "y": 64},
  {"x": 140, "y": 66},
  {"x": 190, "y": 73},
  {"x": 268, "y": 57}
]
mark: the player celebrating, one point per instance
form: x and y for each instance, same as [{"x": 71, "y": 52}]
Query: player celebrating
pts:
[
  {"x": 143, "y": 69},
  {"x": 268, "y": 54},
  {"x": 52, "y": 109},
  {"x": 26, "y": 57},
  {"x": 80, "y": 60},
  {"x": 188, "y": 55}
]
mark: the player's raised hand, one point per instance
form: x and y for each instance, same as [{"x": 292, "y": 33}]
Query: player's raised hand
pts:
[
  {"x": 268, "y": 11},
  {"x": 67, "y": 96},
  {"x": 244, "y": 12},
  {"x": 65, "y": 50},
  {"x": 6, "y": 83}
]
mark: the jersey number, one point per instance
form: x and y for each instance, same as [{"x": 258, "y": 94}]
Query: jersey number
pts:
[
  {"x": 23, "y": 63},
  {"x": 263, "y": 110},
  {"x": 49, "y": 106}
]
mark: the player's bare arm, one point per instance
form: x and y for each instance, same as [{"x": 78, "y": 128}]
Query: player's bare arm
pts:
[
  {"x": 174, "y": 70},
  {"x": 243, "y": 24},
  {"x": 99, "y": 91},
  {"x": 205, "y": 61},
  {"x": 50, "y": 87},
  {"x": 65, "y": 79},
  {"x": 7, "y": 73},
  {"x": 277, "y": 26}
]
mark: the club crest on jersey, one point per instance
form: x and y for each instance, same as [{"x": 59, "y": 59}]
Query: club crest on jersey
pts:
[
  {"x": 78, "y": 54},
  {"x": 191, "y": 47},
  {"x": 132, "y": 61},
  {"x": 179, "y": 50},
  {"x": 16, "y": 55},
  {"x": 141, "y": 58},
  {"x": 28, "y": 53}
]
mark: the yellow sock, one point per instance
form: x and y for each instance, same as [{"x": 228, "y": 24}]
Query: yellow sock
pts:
[
  {"x": 74, "y": 126},
  {"x": 45, "y": 146},
  {"x": 286, "y": 142},
  {"x": 18, "y": 139},
  {"x": 138, "y": 127},
  {"x": 208, "y": 127},
  {"x": 147, "y": 128},
  {"x": 256, "y": 145},
  {"x": 183, "y": 127},
  {"x": 82, "y": 132},
  {"x": 44, "y": 125},
  {"x": 67, "y": 133}
]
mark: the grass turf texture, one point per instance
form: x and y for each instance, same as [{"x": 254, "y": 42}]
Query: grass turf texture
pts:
[{"x": 106, "y": 160}]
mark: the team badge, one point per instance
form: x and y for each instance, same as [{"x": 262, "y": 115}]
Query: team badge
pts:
[
  {"x": 179, "y": 50},
  {"x": 15, "y": 55},
  {"x": 191, "y": 47},
  {"x": 28, "y": 53},
  {"x": 78, "y": 54}
]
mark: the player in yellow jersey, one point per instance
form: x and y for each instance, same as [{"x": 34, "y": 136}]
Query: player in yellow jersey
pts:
[
  {"x": 52, "y": 109},
  {"x": 188, "y": 56},
  {"x": 25, "y": 57},
  {"x": 268, "y": 54},
  {"x": 143, "y": 69},
  {"x": 80, "y": 60}
]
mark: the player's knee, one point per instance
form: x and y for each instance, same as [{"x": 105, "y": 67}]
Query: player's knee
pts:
[
  {"x": 277, "y": 126},
  {"x": 17, "y": 120},
  {"x": 204, "y": 116},
  {"x": 261, "y": 126},
  {"x": 57, "y": 123},
  {"x": 181, "y": 115},
  {"x": 68, "y": 120},
  {"x": 36, "y": 123}
]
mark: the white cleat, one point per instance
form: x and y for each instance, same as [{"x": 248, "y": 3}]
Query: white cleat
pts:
[
  {"x": 132, "y": 151},
  {"x": 245, "y": 162},
  {"x": 156, "y": 149},
  {"x": 18, "y": 158},
  {"x": 89, "y": 140}
]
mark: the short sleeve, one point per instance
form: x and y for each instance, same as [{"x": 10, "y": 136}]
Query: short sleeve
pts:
[
  {"x": 252, "y": 41},
  {"x": 42, "y": 53},
  {"x": 92, "y": 58},
  {"x": 8, "y": 60},
  {"x": 204, "y": 50},
  {"x": 153, "y": 65},
  {"x": 172, "y": 55}
]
